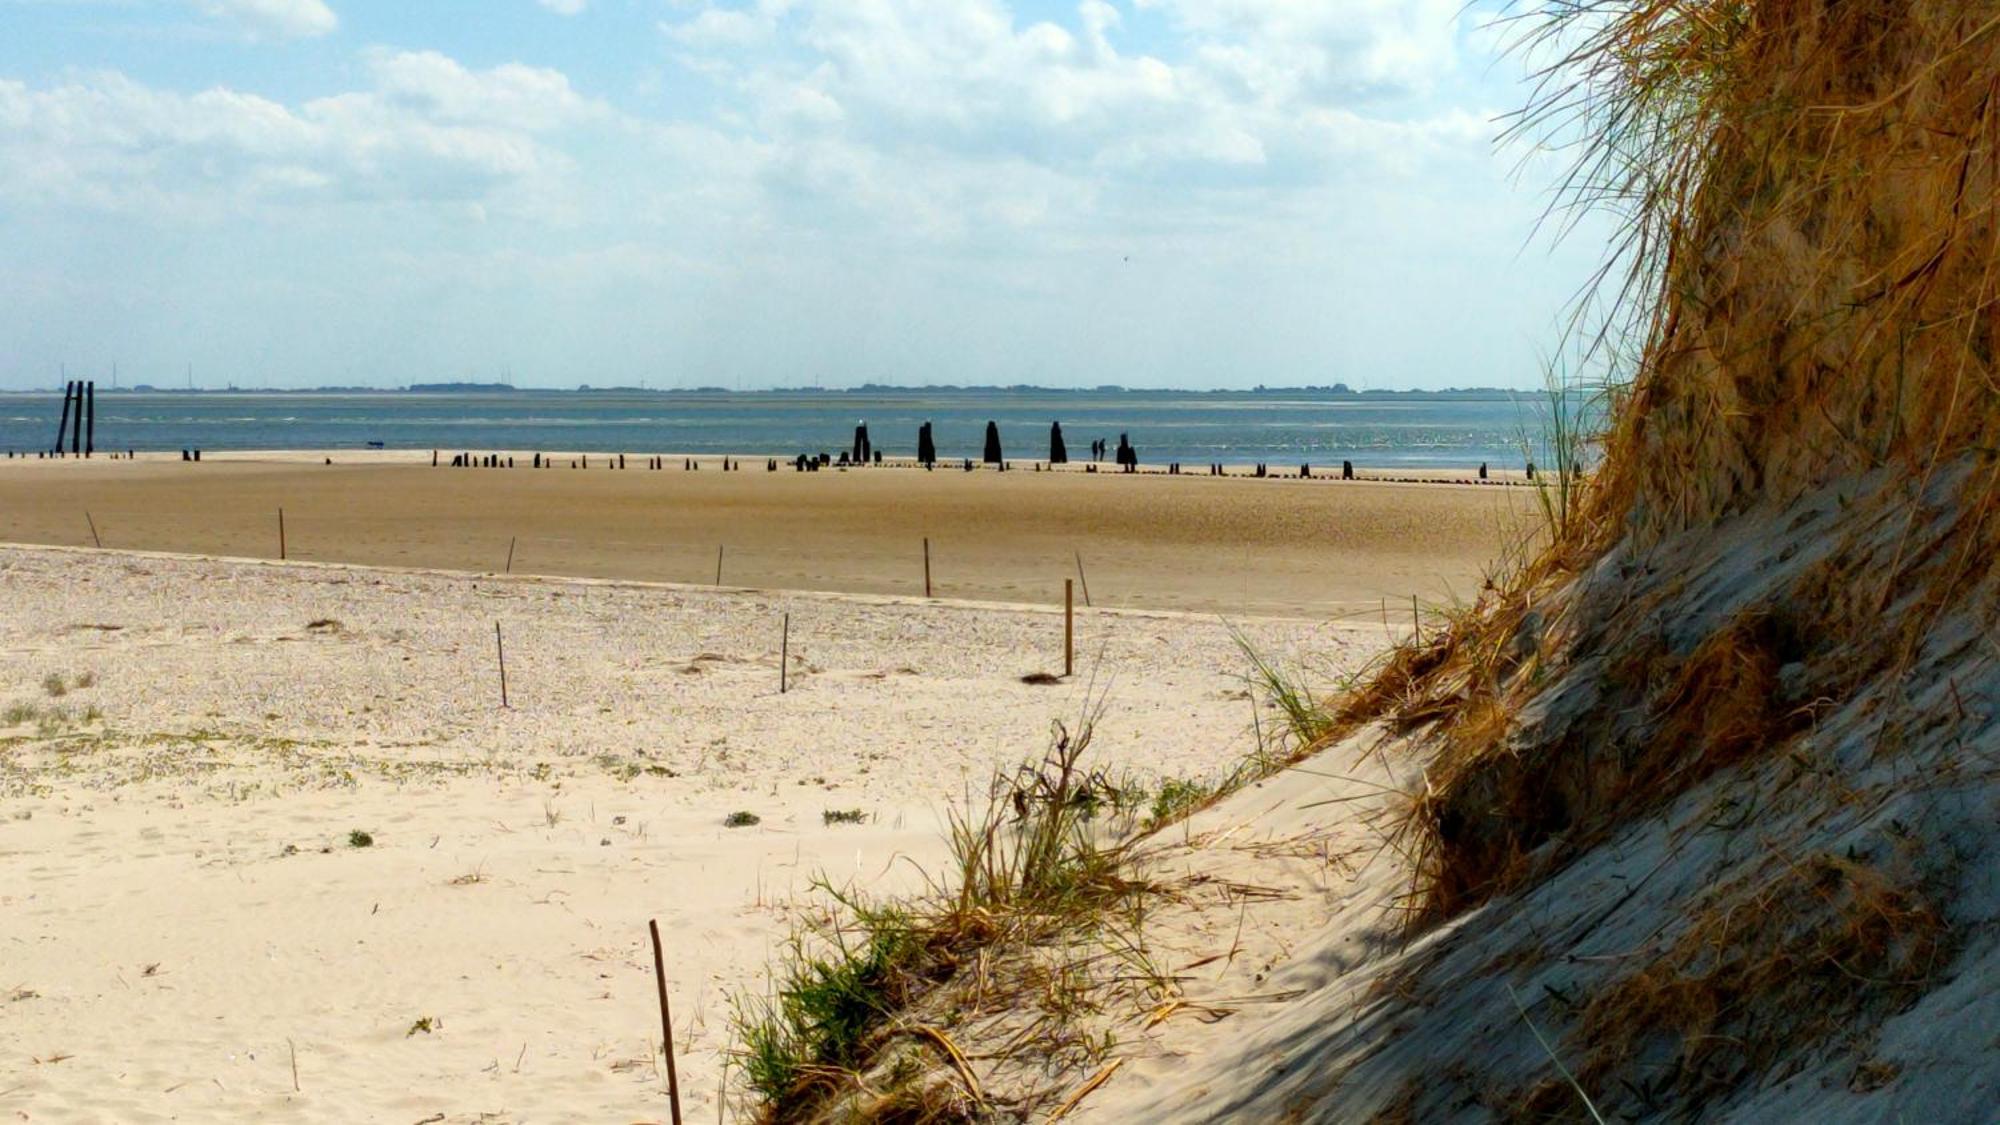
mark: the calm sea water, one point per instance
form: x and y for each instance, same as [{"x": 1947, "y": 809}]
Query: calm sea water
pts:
[{"x": 1370, "y": 430}]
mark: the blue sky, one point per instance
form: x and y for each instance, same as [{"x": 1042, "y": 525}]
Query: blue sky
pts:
[{"x": 1190, "y": 193}]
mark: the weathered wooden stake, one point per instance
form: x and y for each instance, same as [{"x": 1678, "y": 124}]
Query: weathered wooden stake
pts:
[
  {"x": 62, "y": 426},
  {"x": 500, "y": 646},
  {"x": 1082, "y": 579},
  {"x": 666, "y": 1022},
  {"x": 927, "y": 566},
  {"x": 93, "y": 529},
  {"x": 718, "y": 565},
  {"x": 510, "y": 553},
  {"x": 1069, "y": 628},
  {"x": 281, "y": 533},
  {"x": 785, "y": 655}
]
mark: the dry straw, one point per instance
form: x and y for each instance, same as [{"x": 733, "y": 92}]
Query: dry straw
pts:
[{"x": 1802, "y": 293}]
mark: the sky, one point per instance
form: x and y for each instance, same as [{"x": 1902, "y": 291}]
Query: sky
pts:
[{"x": 758, "y": 193}]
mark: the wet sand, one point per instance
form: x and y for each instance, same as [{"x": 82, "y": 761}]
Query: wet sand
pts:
[{"x": 1232, "y": 546}]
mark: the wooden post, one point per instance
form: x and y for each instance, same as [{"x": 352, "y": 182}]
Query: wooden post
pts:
[
  {"x": 62, "y": 426},
  {"x": 718, "y": 565},
  {"x": 90, "y": 418},
  {"x": 666, "y": 1022},
  {"x": 1082, "y": 579},
  {"x": 927, "y": 566},
  {"x": 500, "y": 646},
  {"x": 510, "y": 553},
  {"x": 1069, "y": 628},
  {"x": 785, "y": 655},
  {"x": 93, "y": 529},
  {"x": 281, "y": 533}
]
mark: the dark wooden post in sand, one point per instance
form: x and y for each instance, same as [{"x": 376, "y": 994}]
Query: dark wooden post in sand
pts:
[
  {"x": 281, "y": 533},
  {"x": 926, "y": 446},
  {"x": 1347, "y": 470},
  {"x": 1069, "y": 628},
  {"x": 992, "y": 443},
  {"x": 62, "y": 427},
  {"x": 927, "y": 566},
  {"x": 90, "y": 418},
  {"x": 1058, "y": 452},
  {"x": 785, "y": 655},
  {"x": 666, "y": 1024},
  {"x": 500, "y": 646},
  {"x": 863, "y": 451}
]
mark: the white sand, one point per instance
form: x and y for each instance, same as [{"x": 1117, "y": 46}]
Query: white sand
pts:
[{"x": 181, "y": 915}]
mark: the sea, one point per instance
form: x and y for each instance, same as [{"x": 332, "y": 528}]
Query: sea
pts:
[{"x": 1386, "y": 430}]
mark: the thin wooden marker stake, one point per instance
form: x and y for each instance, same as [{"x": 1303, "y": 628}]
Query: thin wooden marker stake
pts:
[
  {"x": 510, "y": 553},
  {"x": 281, "y": 533},
  {"x": 93, "y": 529},
  {"x": 1082, "y": 579},
  {"x": 785, "y": 655},
  {"x": 666, "y": 1021},
  {"x": 718, "y": 566},
  {"x": 501, "y": 646},
  {"x": 1069, "y": 628},
  {"x": 927, "y": 566}
]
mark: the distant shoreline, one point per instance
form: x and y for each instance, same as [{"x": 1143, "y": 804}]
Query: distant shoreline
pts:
[{"x": 1333, "y": 391}]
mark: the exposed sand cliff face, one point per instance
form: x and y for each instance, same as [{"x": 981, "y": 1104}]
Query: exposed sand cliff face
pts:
[{"x": 1701, "y": 814}]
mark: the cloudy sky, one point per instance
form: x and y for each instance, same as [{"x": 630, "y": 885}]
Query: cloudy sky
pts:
[{"x": 1191, "y": 193}]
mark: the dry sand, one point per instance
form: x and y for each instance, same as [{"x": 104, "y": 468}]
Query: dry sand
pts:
[
  {"x": 182, "y": 915},
  {"x": 183, "y": 920},
  {"x": 1236, "y": 546}
]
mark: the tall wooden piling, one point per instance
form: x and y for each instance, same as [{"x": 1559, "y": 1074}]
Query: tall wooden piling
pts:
[
  {"x": 62, "y": 426},
  {"x": 281, "y": 534},
  {"x": 927, "y": 566},
  {"x": 90, "y": 418}
]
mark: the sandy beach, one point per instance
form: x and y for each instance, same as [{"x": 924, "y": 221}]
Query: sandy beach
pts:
[
  {"x": 192, "y": 743},
  {"x": 183, "y": 913},
  {"x": 1234, "y": 546}
]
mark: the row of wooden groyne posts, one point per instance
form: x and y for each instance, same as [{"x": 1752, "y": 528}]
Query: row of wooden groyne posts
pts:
[
  {"x": 78, "y": 427},
  {"x": 863, "y": 452}
]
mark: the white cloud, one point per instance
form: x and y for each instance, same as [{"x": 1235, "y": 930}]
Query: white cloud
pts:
[
  {"x": 425, "y": 130},
  {"x": 876, "y": 101},
  {"x": 565, "y": 7},
  {"x": 276, "y": 19}
]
